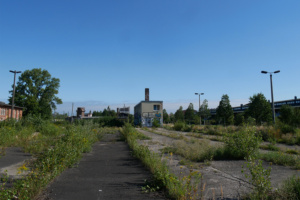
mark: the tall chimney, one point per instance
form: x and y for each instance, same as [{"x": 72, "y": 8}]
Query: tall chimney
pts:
[{"x": 146, "y": 94}]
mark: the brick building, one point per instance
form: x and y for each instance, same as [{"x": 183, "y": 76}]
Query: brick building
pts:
[{"x": 5, "y": 111}]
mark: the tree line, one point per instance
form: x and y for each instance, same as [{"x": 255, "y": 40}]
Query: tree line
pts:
[
  {"x": 259, "y": 112},
  {"x": 36, "y": 91}
]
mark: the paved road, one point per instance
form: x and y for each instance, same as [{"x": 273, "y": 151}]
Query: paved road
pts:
[{"x": 108, "y": 172}]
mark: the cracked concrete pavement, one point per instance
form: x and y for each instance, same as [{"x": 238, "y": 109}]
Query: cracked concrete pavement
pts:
[{"x": 221, "y": 179}]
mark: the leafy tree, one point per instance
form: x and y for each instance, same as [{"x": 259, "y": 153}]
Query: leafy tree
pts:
[
  {"x": 179, "y": 115},
  {"x": 204, "y": 112},
  {"x": 97, "y": 113},
  {"x": 297, "y": 116},
  {"x": 56, "y": 115},
  {"x": 36, "y": 91},
  {"x": 259, "y": 109},
  {"x": 239, "y": 119},
  {"x": 107, "y": 112},
  {"x": 290, "y": 115},
  {"x": 189, "y": 114},
  {"x": 171, "y": 117},
  {"x": 286, "y": 114},
  {"x": 165, "y": 116},
  {"x": 224, "y": 111},
  {"x": 196, "y": 119}
]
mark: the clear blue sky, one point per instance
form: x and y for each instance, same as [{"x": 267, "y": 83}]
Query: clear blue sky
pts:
[{"x": 107, "y": 52}]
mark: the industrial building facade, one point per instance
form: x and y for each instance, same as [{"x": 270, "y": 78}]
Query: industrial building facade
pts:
[
  {"x": 5, "y": 112},
  {"x": 147, "y": 111}
]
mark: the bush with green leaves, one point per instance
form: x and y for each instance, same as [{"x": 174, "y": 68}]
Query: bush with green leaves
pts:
[
  {"x": 156, "y": 123},
  {"x": 243, "y": 143},
  {"x": 259, "y": 177},
  {"x": 179, "y": 126},
  {"x": 290, "y": 189},
  {"x": 109, "y": 121},
  {"x": 239, "y": 120},
  {"x": 286, "y": 128}
]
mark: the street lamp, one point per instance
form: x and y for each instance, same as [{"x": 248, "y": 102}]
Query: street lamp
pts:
[
  {"x": 199, "y": 104},
  {"x": 13, "y": 97},
  {"x": 265, "y": 72}
]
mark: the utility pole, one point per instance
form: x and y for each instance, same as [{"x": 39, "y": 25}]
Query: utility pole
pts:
[
  {"x": 273, "y": 109},
  {"x": 199, "y": 105},
  {"x": 72, "y": 109},
  {"x": 14, "y": 88}
]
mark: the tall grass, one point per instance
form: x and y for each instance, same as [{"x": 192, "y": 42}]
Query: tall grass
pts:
[
  {"x": 55, "y": 148},
  {"x": 176, "y": 188}
]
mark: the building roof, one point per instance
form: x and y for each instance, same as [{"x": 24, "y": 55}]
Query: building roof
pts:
[{"x": 2, "y": 104}]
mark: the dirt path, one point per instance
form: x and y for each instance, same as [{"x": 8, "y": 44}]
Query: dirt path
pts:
[
  {"x": 221, "y": 179},
  {"x": 107, "y": 172}
]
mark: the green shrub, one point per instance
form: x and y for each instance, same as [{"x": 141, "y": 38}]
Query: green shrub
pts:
[
  {"x": 290, "y": 189},
  {"x": 198, "y": 150},
  {"x": 285, "y": 128},
  {"x": 281, "y": 158},
  {"x": 156, "y": 123},
  {"x": 53, "y": 154},
  {"x": 187, "y": 128},
  {"x": 214, "y": 130},
  {"x": 108, "y": 121},
  {"x": 179, "y": 126},
  {"x": 163, "y": 178},
  {"x": 269, "y": 147},
  {"x": 239, "y": 119},
  {"x": 50, "y": 129},
  {"x": 259, "y": 178},
  {"x": 243, "y": 143},
  {"x": 250, "y": 121}
]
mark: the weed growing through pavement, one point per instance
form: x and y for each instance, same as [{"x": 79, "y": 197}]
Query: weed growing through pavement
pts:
[
  {"x": 270, "y": 147},
  {"x": 184, "y": 188},
  {"x": 53, "y": 152},
  {"x": 22, "y": 169},
  {"x": 259, "y": 177},
  {"x": 281, "y": 158},
  {"x": 290, "y": 190}
]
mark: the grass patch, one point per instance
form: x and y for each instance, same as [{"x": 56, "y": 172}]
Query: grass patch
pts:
[
  {"x": 281, "y": 158},
  {"x": 289, "y": 190},
  {"x": 178, "y": 136},
  {"x": 292, "y": 151},
  {"x": 177, "y": 188},
  {"x": 269, "y": 147},
  {"x": 197, "y": 151},
  {"x": 53, "y": 152}
]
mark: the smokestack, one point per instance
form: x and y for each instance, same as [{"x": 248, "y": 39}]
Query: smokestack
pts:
[{"x": 146, "y": 94}]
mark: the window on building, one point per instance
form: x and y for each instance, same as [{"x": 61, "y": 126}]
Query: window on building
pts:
[
  {"x": 156, "y": 107},
  {"x": 2, "y": 111}
]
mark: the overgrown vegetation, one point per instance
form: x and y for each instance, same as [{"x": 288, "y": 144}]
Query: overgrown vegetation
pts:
[
  {"x": 55, "y": 148},
  {"x": 243, "y": 143},
  {"x": 277, "y": 134},
  {"x": 176, "y": 187}
]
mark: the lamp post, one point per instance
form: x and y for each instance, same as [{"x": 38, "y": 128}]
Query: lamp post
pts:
[
  {"x": 265, "y": 72},
  {"x": 13, "y": 97},
  {"x": 199, "y": 104}
]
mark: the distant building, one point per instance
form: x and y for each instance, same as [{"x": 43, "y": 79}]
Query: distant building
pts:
[
  {"x": 5, "y": 111},
  {"x": 123, "y": 113},
  {"x": 81, "y": 113},
  {"x": 147, "y": 111}
]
